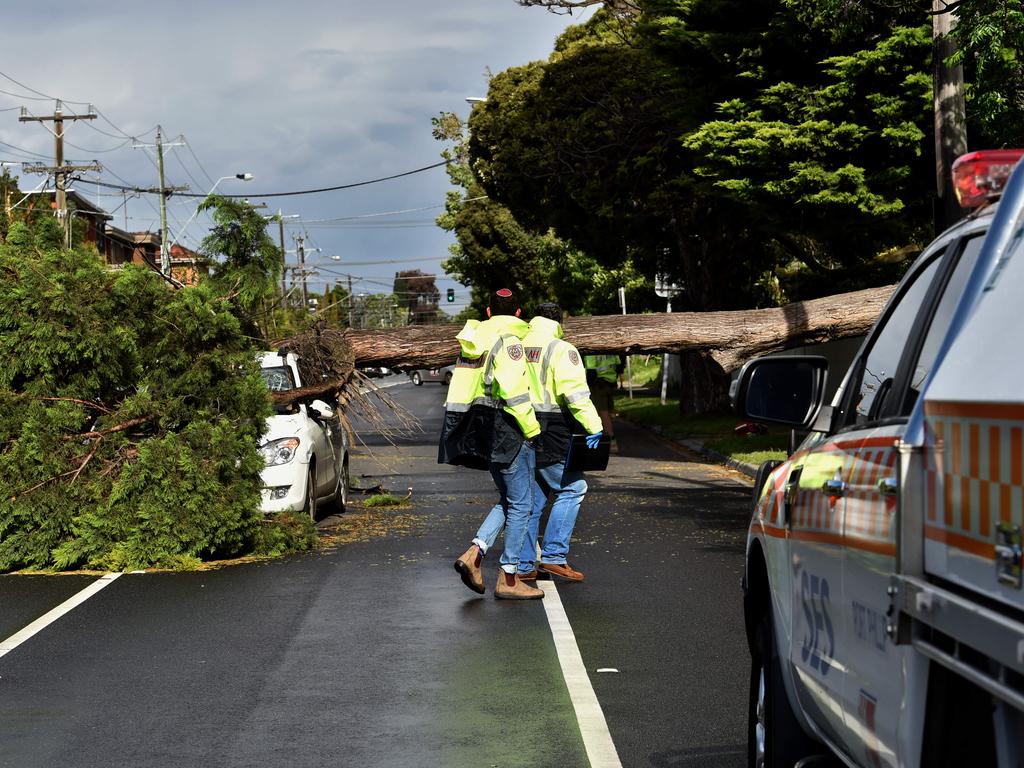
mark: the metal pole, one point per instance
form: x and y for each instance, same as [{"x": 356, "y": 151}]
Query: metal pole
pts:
[
  {"x": 284, "y": 257},
  {"x": 664, "y": 364},
  {"x": 629, "y": 366},
  {"x": 350, "y": 301},
  {"x": 302, "y": 271}
]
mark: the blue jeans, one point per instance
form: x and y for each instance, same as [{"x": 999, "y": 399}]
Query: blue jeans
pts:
[
  {"x": 515, "y": 504},
  {"x": 568, "y": 488}
]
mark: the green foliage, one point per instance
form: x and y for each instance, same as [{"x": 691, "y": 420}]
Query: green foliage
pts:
[
  {"x": 753, "y": 163},
  {"x": 494, "y": 249},
  {"x": 990, "y": 34},
  {"x": 284, "y": 533},
  {"x": 386, "y": 500},
  {"x": 130, "y": 412},
  {"x": 246, "y": 263},
  {"x": 714, "y": 431}
]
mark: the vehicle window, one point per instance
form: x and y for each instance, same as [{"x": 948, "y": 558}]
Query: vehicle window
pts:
[
  {"x": 278, "y": 379},
  {"x": 943, "y": 315},
  {"x": 884, "y": 355}
]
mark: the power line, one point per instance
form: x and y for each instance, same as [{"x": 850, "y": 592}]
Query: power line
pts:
[
  {"x": 390, "y": 213},
  {"x": 288, "y": 194},
  {"x": 33, "y": 90}
]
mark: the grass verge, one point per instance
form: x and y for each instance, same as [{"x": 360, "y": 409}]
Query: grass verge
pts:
[{"x": 715, "y": 431}]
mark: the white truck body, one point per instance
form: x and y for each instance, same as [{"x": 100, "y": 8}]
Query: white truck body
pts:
[{"x": 884, "y": 556}]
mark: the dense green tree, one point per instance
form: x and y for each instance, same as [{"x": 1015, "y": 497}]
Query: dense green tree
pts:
[
  {"x": 130, "y": 411},
  {"x": 493, "y": 249}
]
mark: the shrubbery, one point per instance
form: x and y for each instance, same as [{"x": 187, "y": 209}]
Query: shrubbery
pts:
[{"x": 130, "y": 414}]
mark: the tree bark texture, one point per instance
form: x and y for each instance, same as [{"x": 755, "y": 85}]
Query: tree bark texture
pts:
[{"x": 728, "y": 338}]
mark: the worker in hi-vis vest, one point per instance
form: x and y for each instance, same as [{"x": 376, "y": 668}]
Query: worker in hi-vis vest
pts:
[
  {"x": 489, "y": 423},
  {"x": 603, "y": 376},
  {"x": 561, "y": 400}
]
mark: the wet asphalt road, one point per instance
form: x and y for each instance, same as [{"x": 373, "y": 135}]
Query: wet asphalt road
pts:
[{"x": 371, "y": 652}]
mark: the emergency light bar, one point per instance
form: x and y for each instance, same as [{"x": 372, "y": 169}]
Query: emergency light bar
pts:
[{"x": 980, "y": 176}]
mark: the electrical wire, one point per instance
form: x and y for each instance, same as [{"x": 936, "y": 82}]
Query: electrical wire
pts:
[
  {"x": 24, "y": 151},
  {"x": 189, "y": 147},
  {"x": 390, "y": 213},
  {"x": 290, "y": 194}
]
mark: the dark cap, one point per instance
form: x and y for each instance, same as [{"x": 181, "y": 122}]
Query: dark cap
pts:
[{"x": 550, "y": 310}]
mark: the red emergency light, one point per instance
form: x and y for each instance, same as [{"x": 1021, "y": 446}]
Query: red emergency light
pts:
[{"x": 980, "y": 176}]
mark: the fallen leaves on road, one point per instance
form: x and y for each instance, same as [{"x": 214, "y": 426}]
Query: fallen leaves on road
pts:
[{"x": 366, "y": 525}]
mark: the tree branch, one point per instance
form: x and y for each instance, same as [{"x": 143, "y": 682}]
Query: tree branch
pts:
[{"x": 111, "y": 430}]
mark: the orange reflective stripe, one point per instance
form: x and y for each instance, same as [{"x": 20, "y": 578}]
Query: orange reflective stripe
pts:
[
  {"x": 1015, "y": 455},
  {"x": 998, "y": 411}
]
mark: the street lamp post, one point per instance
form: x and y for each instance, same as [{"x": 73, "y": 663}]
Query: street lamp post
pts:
[{"x": 165, "y": 248}]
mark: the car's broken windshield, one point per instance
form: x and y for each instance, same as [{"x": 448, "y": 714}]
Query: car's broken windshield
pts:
[{"x": 278, "y": 379}]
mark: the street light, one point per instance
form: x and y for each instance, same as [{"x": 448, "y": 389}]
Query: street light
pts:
[
  {"x": 165, "y": 251},
  {"x": 475, "y": 99}
]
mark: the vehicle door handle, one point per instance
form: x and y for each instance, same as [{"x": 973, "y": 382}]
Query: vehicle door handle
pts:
[
  {"x": 887, "y": 486},
  {"x": 834, "y": 488}
]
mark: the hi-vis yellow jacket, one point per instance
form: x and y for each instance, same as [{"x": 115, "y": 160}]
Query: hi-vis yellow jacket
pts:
[
  {"x": 558, "y": 389},
  {"x": 488, "y": 411},
  {"x": 606, "y": 367}
]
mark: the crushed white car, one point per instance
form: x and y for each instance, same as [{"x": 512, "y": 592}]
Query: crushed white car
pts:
[{"x": 305, "y": 448}]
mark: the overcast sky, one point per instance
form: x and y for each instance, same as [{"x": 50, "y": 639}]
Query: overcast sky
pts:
[{"x": 303, "y": 95}]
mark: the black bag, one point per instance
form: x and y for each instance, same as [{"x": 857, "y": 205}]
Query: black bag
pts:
[{"x": 580, "y": 458}]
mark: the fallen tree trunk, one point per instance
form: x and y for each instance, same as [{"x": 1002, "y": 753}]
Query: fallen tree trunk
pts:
[{"x": 730, "y": 338}]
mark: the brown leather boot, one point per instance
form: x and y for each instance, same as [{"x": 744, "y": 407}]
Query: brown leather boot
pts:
[
  {"x": 511, "y": 587},
  {"x": 468, "y": 566},
  {"x": 528, "y": 576},
  {"x": 564, "y": 570}
]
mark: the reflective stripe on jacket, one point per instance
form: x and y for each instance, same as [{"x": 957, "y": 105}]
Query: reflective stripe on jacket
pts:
[
  {"x": 605, "y": 366},
  {"x": 558, "y": 389},
  {"x": 488, "y": 410}
]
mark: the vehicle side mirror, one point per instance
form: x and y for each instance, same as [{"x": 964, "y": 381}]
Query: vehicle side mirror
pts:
[
  {"x": 781, "y": 390},
  {"x": 322, "y": 410}
]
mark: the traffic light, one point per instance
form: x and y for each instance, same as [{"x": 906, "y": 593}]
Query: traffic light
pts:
[{"x": 451, "y": 295}]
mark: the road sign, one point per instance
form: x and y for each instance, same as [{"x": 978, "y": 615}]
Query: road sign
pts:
[{"x": 665, "y": 289}]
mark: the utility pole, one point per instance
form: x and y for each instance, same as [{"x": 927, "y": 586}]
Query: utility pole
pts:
[
  {"x": 284, "y": 255},
  {"x": 59, "y": 170},
  {"x": 300, "y": 247},
  {"x": 350, "y": 301},
  {"x": 163, "y": 190},
  {"x": 950, "y": 114}
]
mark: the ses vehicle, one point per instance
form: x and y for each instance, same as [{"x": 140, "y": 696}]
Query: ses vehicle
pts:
[
  {"x": 882, "y": 589},
  {"x": 305, "y": 448},
  {"x": 440, "y": 375}
]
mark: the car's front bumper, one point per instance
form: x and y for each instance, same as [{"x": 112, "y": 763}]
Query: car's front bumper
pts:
[{"x": 292, "y": 476}]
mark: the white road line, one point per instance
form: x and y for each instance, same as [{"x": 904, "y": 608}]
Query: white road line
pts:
[
  {"x": 596, "y": 738},
  {"x": 49, "y": 617}
]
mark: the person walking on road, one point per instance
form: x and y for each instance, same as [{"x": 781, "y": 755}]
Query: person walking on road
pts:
[
  {"x": 561, "y": 399},
  {"x": 490, "y": 424},
  {"x": 603, "y": 377}
]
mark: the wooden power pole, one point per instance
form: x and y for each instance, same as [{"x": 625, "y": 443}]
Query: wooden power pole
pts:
[
  {"x": 59, "y": 170},
  {"x": 950, "y": 115}
]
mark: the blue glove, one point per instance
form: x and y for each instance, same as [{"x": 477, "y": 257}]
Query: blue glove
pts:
[{"x": 593, "y": 440}]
